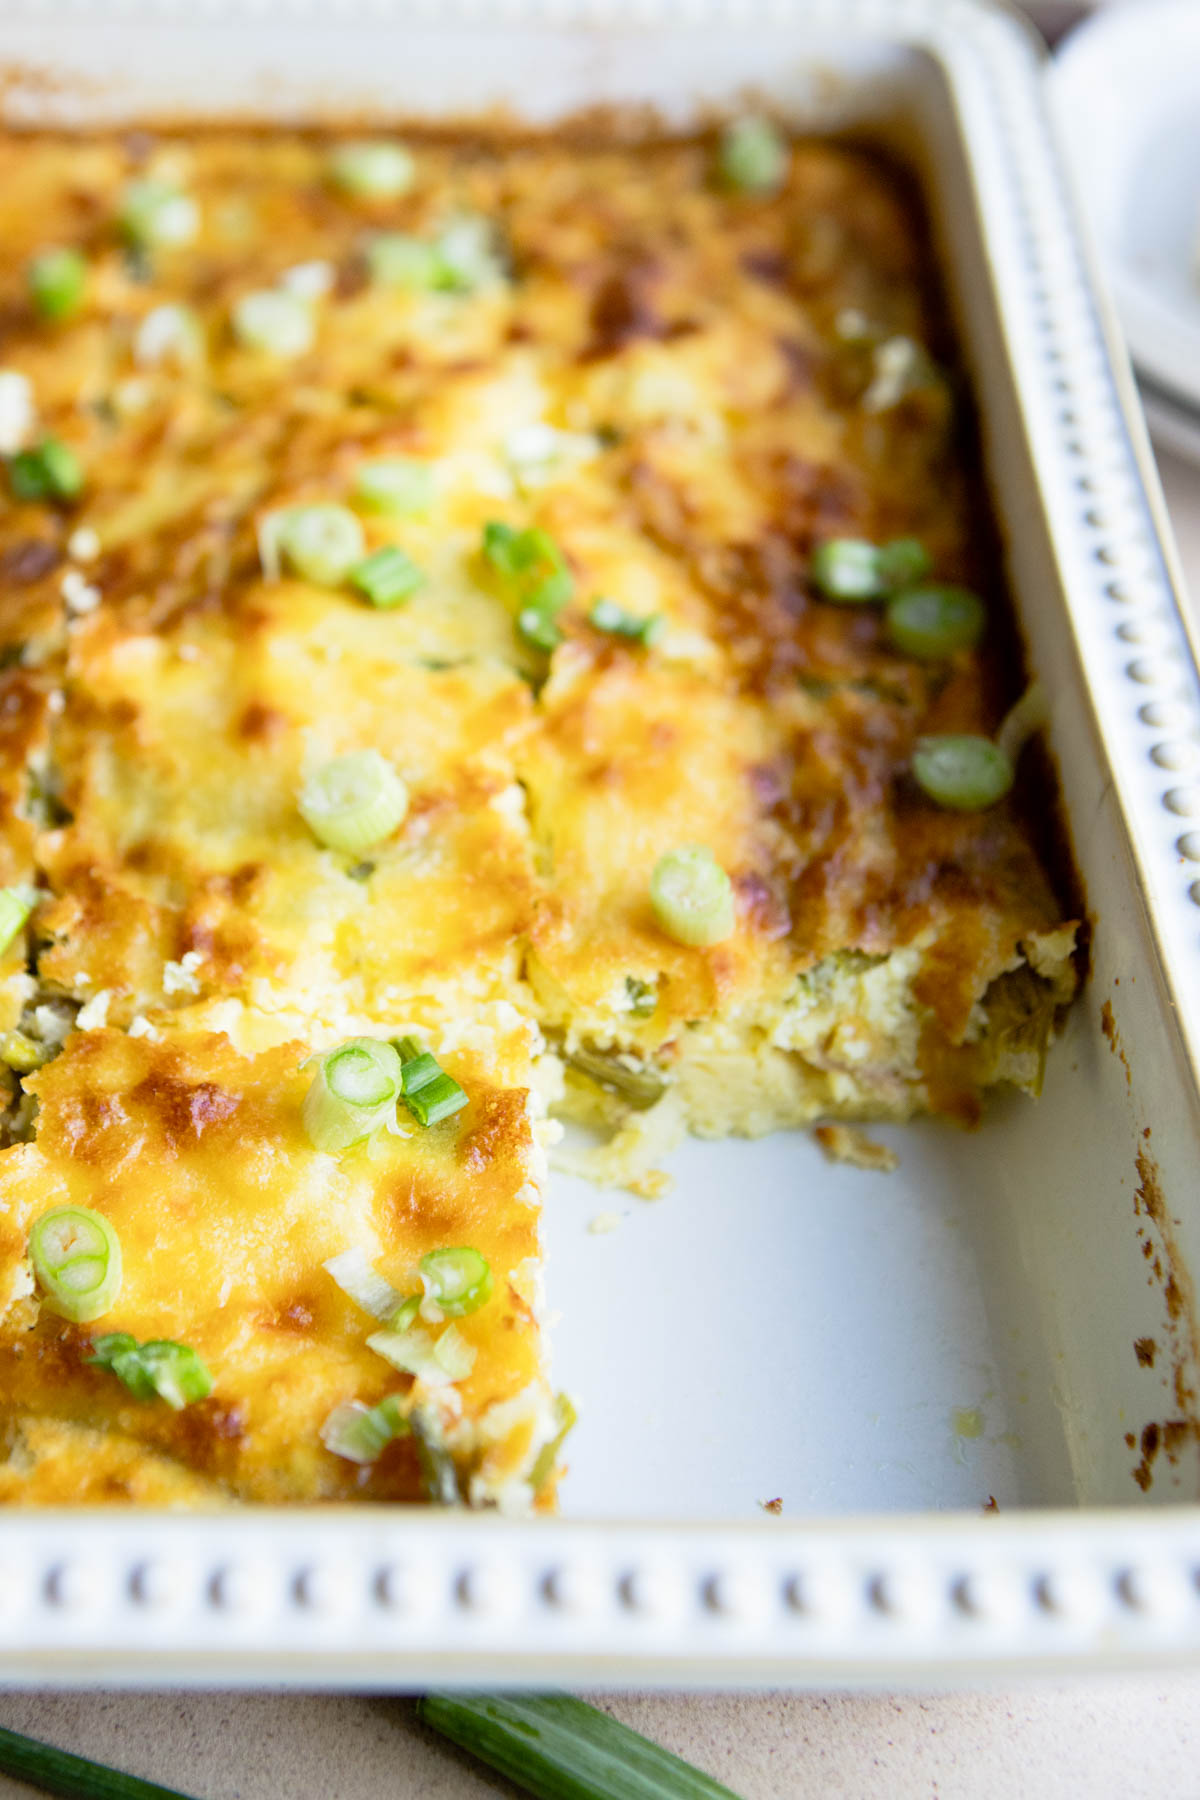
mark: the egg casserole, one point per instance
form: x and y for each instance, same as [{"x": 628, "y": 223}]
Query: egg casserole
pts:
[{"x": 493, "y": 631}]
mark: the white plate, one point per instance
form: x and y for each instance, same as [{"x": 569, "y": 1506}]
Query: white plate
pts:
[
  {"x": 884, "y": 1353},
  {"x": 1127, "y": 89}
]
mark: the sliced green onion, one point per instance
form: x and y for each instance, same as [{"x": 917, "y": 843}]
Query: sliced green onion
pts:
[
  {"x": 376, "y": 170},
  {"x": 458, "y": 1281},
  {"x": 22, "y": 1054},
  {"x": 607, "y": 616},
  {"x": 159, "y": 1369},
  {"x": 356, "y": 1276},
  {"x": 1029, "y": 716},
  {"x": 531, "y": 560},
  {"x": 566, "y": 1417},
  {"x": 353, "y": 802},
  {"x": 429, "y": 1093},
  {"x": 399, "y": 486},
  {"x": 847, "y": 569},
  {"x": 154, "y": 215},
  {"x": 692, "y": 896},
  {"x": 169, "y": 334},
  {"x": 16, "y": 904},
  {"x": 537, "y": 628},
  {"x": 352, "y": 1094},
  {"x": 535, "y": 577},
  {"x": 405, "y": 1316},
  {"x": 414, "y": 1352},
  {"x": 468, "y": 254},
  {"x": 321, "y": 544},
  {"x": 643, "y": 998},
  {"x": 52, "y": 471},
  {"x": 57, "y": 280},
  {"x": 638, "y": 1085},
  {"x": 397, "y": 260},
  {"x": 903, "y": 561},
  {"x": 361, "y": 1433},
  {"x": 559, "y": 1748},
  {"x": 76, "y": 1260},
  {"x": 56, "y": 1771},
  {"x": 274, "y": 321},
  {"x": 963, "y": 773},
  {"x": 453, "y": 1354},
  {"x": 387, "y": 577},
  {"x": 851, "y": 569},
  {"x": 438, "y": 1473},
  {"x": 753, "y": 156},
  {"x": 935, "y": 621}
]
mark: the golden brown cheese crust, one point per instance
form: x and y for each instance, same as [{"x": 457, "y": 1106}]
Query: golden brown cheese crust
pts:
[
  {"x": 226, "y": 1214},
  {"x": 708, "y": 366}
]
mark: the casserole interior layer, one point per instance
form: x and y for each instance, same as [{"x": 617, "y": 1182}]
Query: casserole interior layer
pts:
[{"x": 688, "y": 389}]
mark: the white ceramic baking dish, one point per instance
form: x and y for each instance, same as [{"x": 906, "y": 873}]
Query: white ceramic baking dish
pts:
[{"x": 1009, "y": 1317}]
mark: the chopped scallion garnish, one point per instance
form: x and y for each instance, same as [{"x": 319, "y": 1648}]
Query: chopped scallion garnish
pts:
[
  {"x": 933, "y": 622},
  {"x": 566, "y": 1417},
  {"x": 453, "y": 1354},
  {"x": 458, "y": 1281},
  {"x": 438, "y": 1473},
  {"x": 159, "y": 1369},
  {"x": 397, "y": 260},
  {"x": 468, "y": 254},
  {"x": 374, "y": 170},
  {"x": 353, "y": 802},
  {"x": 57, "y": 280},
  {"x": 399, "y": 486},
  {"x": 753, "y": 156},
  {"x": 168, "y": 334},
  {"x": 903, "y": 561},
  {"x": 405, "y": 1315},
  {"x": 22, "y": 1054},
  {"x": 321, "y": 544},
  {"x": 692, "y": 896},
  {"x": 961, "y": 772},
  {"x": 537, "y": 628},
  {"x": 643, "y": 998},
  {"x": 463, "y": 257},
  {"x": 429, "y": 1093},
  {"x": 52, "y": 471},
  {"x": 154, "y": 215},
  {"x": 356, "y": 1276},
  {"x": 275, "y": 322},
  {"x": 76, "y": 1259},
  {"x": 353, "y": 1093},
  {"x": 415, "y": 1352},
  {"x": 533, "y": 573},
  {"x": 16, "y": 904},
  {"x": 607, "y": 616},
  {"x": 1029, "y": 715},
  {"x": 387, "y": 577},
  {"x": 853, "y": 570},
  {"x": 361, "y": 1433}
]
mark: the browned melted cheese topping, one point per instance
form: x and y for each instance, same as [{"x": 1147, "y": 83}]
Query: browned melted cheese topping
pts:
[{"x": 683, "y": 387}]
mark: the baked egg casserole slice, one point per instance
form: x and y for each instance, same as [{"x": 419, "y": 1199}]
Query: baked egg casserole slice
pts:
[{"x": 493, "y": 630}]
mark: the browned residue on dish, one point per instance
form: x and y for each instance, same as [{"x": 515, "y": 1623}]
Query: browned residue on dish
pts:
[
  {"x": 1108, "y": 1026},
  {"x": 990, "y": 1504},
  {"x": 773, "y": 1506},
  {"x": 850, "y": 1144},
  {"x": 1166, "y": 1437}
]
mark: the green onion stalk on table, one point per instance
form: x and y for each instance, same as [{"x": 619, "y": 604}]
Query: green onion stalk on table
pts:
[{"x": 549, "y": 1745}]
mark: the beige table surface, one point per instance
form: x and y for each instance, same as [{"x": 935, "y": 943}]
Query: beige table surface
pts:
[{"x": 1113, "y": 1738}]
